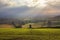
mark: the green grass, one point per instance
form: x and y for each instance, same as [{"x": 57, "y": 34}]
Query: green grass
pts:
[{"x": 29, "y": 34}]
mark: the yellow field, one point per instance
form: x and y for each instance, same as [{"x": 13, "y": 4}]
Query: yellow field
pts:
[{"x": 29, "y": 34}]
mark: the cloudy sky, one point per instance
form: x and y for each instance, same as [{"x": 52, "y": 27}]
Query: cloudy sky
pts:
[{"x": 27, "y": 8}]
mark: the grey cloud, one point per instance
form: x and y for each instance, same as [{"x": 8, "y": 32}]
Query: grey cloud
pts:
[
  {"x": 19, "y": 11},
  {"x": 15, "y": 11}
]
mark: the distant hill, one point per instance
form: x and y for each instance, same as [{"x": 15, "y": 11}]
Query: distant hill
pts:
[
  {"x": 8, "y": 20},
  {"x": 55, "y": 18}
]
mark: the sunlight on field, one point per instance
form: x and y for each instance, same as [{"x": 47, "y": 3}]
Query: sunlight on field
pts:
[
  {"x": 6, "y": 26},
  {"x": 34, "y": 25}
]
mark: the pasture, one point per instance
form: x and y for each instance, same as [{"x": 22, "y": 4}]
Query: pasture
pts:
[{"x": 29, "y": 34}]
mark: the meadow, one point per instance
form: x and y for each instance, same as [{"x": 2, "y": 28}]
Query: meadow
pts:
[{"x": 29, "y": 34}]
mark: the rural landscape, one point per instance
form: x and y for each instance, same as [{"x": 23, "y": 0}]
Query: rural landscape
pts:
[
  {"x": 12, "y": 29},
  {"x": 29, "y": 19}
]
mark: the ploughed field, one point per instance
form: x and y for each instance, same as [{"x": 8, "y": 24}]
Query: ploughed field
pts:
[{"x": 29, "y": 34}]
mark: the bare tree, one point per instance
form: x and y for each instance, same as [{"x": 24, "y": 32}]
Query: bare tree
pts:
[{"x": 16, "y": 26}]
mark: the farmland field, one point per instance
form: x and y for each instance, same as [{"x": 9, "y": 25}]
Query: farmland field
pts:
[{"x": 29, "y": 34}]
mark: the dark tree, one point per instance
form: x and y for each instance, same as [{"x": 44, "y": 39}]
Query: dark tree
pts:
[{"x": 30, "y": 26}]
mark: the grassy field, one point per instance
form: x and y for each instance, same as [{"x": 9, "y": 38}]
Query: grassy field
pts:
[{"x": 29, "y": 34}]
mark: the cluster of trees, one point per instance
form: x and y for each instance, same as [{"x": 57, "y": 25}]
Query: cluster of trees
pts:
[
  {"x": 55, "y": 24},
  {"x": 18, "y": 23}
]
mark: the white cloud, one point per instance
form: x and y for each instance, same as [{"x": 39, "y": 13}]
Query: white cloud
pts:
[{"x": 30, "y": 3}]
